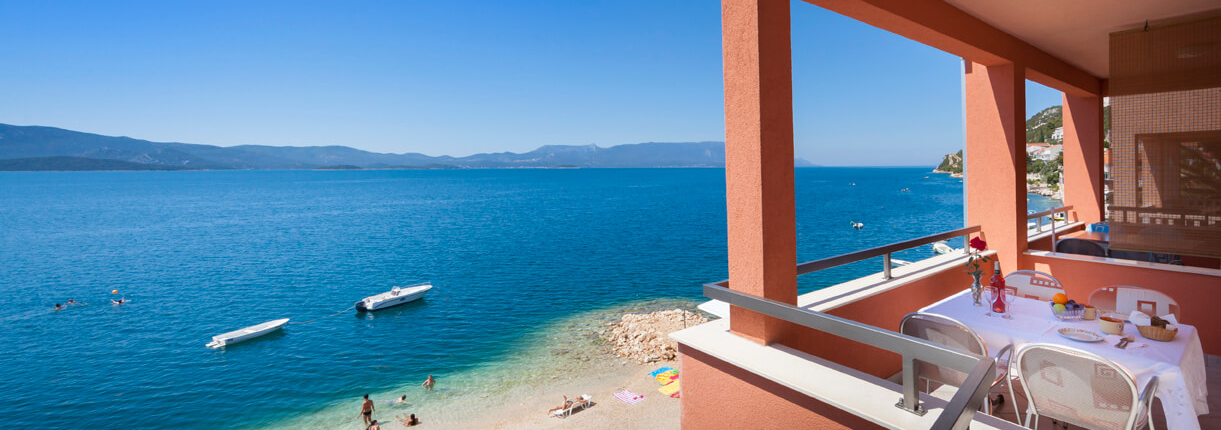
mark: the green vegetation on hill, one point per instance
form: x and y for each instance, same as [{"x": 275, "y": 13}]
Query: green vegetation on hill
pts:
[
  {"x": 1041, "y": 126},
  {"x": 76, "y": 164},
  {"x": 952, "y": 163}
]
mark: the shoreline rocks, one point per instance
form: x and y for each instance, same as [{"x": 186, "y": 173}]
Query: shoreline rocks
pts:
[{"x": 644, "y": 338}]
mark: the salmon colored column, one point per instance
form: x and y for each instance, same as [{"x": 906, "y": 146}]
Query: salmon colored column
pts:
[
  {"x": 1083, "y": 156},
  {"x": 759, "y": 159},
  {"x": 995, "y": 166}
]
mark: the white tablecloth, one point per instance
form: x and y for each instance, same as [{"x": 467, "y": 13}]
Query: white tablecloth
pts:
[{"x": 1178, "y": 364}]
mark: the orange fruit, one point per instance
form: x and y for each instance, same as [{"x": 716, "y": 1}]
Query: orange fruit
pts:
[{"x": 1059, "y": 298}]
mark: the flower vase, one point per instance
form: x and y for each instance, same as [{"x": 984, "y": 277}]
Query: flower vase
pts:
[{"x": 976, "y": 291}]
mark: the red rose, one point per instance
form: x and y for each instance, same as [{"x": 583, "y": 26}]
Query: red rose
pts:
[{"x": 978, "y": 244}]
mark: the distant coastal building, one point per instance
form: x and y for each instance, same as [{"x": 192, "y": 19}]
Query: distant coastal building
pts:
[{"x": 1044, "y": 151}]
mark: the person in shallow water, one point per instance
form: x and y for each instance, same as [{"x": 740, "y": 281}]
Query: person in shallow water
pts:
[
  {"x": 400, "y": 401},
  {"x": 428, "y": 383},
  {"x": 366, "y": 411},
  {"x": 373, "y": 426},
  {"x": 408, "y": 422}
]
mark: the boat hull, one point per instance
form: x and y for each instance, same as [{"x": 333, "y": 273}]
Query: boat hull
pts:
[
  {"x": 246, "y": 333},
  {"x": 386, "y": 300}
]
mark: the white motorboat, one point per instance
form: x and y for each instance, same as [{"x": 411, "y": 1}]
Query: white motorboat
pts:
[
  {"x": 394, "y": 297},
  {"x": 942, "y": 248},
  {"x": 246, "y": 333}
]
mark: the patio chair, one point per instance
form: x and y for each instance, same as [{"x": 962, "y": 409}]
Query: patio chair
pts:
[
  {"x": 1033, "y": 285},
  {"x": 1081, "y": 388},
  {"x": 1125, "y": 299},
  {"x": 951, "y": 333},
  {"x": 1080, "y": 247}
]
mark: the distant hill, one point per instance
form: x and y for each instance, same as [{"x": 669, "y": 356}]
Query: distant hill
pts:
[
  {"x": 952, "y": 163},
  {"x": 1047, "y": 126},
  {"x": 49, "y": 148},
  {"x": 76, "y": 163}
]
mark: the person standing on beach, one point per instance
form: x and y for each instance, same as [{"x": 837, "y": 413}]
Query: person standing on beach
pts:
[
  {"x": 428, "y": 383},
  {"x": 366, "y": 410}
]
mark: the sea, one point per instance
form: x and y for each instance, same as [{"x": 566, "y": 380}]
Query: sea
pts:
[{"x": 525, "y": 264}]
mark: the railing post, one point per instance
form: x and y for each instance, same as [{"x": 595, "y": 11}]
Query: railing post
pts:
[
  {"x": 966, "y": 245},
  {"x": 1040, "y": 225},
  {"x": 1053, "y": 232},
  {"x": 911, "y": 394},
  {"x": 886, "y": 266}
]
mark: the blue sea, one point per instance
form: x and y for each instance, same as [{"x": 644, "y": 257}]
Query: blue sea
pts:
[{"x": 514, "y": 255}]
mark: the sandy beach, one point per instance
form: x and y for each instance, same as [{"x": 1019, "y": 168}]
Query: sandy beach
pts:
[{"x": 656, "y": 411}]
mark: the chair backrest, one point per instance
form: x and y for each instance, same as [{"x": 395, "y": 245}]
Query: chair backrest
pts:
[
  {"x": 1077, "y": 387},
  {"x": 943, "y": 331},
  {"x": 1125, "y": 299},
  {"x": 1033, "y": 285},
  {"x": 1080, "y": 246}
]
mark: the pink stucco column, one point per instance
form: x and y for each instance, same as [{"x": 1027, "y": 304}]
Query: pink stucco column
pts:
[
  {"x": 995, "y": 166},
  {"x": 1083, "y": 176},
  {"x": 759, "y": 159}
]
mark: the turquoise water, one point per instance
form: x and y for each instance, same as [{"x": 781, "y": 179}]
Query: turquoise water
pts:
[{"x": 511, "y": 252}]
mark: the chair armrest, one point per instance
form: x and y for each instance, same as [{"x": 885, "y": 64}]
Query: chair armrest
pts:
[
  {"x": 1146, "y": 396},
  {"x": 1006, "y": 351}
]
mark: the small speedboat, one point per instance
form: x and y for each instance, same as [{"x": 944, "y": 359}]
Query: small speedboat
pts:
[
  {"x": 246, "y": 333},
  {"x": 942, "y": 248},
  {"x": 396, "y": 296}
]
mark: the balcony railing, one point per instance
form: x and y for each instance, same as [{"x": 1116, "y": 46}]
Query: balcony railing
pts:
[
  {"x": 1038, "y": 216},
  {"x": 957, "y": 414},
  {"x": 884, "y": 251}
]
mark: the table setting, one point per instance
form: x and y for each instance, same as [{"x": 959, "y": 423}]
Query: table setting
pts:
[{"x": 1145, "y": 345}]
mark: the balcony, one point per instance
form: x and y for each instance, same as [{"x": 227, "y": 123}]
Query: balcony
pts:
[{"x": 840, "y": 358}]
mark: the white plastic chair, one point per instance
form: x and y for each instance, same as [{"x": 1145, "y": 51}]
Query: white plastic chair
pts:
[
  {"x": 1033, "y": 285},
  {"x": 1081, "y": 388},
  {"x": 949, "y": 332},
  {"x": 1125, "y": 299}
]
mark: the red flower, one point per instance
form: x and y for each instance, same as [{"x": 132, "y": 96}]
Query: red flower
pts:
[{"x": 978, "y": 244}]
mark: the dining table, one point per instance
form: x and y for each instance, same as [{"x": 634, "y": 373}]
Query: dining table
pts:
[{"x": 1178, "y": 364}]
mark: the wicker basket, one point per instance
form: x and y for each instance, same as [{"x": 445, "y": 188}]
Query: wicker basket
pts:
[{"x": 1156, "y": 333}]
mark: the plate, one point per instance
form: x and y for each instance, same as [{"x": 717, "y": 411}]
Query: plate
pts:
[{"x": 1080, "y": 335}]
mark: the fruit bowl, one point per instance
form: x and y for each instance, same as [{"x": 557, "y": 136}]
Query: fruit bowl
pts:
[{"x": 1072, "y": 312}]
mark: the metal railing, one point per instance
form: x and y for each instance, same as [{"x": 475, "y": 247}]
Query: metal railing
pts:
[
  {"x": 1052, "y": 213},
  {"x": 961, "y": 409},
  {"x": 885, "y": 251}
]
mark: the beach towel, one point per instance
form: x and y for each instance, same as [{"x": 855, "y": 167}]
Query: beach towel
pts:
[
  {"x": 629, "y": 397},
  {"x": 670, "y": 389},
  {"x": 667, "y": 378},
  {"x": 662, "y": 370}
]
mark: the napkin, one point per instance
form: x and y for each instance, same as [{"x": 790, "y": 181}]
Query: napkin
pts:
[
  {"x": 1140, "y": 318},
  {"x": 1114, "y": 339}
]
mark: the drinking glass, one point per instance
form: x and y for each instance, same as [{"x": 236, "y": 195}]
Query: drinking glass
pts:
[
  {"x": 1007, "y": 299},
  {"x": 989, "y": 297}
]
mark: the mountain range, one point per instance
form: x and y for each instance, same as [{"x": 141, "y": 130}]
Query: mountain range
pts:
[{"x": 49, "y": 148}]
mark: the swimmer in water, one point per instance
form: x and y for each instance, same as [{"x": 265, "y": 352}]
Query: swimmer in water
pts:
[
  {"x": 401, "y": 401},
  {"x": 59, "y": 307}
]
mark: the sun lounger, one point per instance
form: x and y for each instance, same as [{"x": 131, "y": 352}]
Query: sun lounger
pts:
[{"x": 583, "y": 402}]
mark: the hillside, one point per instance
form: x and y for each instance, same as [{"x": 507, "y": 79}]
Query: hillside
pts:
[
  {"x": 1041, "y": 128},
  {"x": 75, "y": 164},
  {"x": 952, "y": 164},
  {"x": 49, "y": 148}
]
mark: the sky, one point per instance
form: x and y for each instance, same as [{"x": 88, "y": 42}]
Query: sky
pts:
[{"x": 462, "y": 77}]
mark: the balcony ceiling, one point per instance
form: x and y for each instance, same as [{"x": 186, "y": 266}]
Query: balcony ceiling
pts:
[{"x": 1078, "y": 31}]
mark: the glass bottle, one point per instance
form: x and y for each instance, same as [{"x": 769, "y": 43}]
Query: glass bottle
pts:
[{"x": 998, "y": 290}]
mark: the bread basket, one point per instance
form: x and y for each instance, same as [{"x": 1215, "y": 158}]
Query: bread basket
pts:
[{"x": 1157, "y": 333}]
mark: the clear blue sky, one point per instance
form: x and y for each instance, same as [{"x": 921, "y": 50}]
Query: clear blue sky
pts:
[{"x": 460, "y": 77}]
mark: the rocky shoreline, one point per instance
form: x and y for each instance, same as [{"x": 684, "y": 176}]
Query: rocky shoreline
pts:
[
  {"x": 644, "y": 338},
  {"x": 1035, "y": 185}
]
